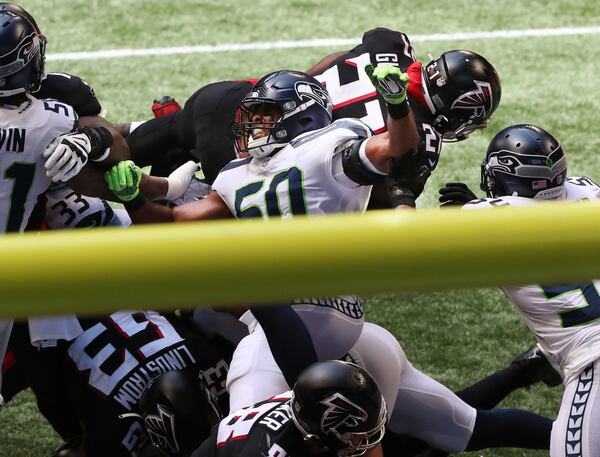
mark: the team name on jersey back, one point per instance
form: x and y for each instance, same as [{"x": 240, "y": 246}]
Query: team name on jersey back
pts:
[{"x": 123, "y": 352}]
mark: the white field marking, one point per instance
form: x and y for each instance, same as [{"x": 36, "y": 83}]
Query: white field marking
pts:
[{"x": 317, "y": 43}]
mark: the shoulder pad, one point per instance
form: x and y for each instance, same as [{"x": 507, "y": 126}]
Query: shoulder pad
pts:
[
  {"x": 498, "y": 202},
  {"x": 354, "y": 167}
]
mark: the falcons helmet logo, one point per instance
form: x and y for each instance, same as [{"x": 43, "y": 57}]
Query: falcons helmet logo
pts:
[
  {"x": 161, "y": 428},
  {"x": 340, "y": 413},
  {"x": 479, "y": 100}
]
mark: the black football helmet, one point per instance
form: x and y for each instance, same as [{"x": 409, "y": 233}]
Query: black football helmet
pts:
[
  {"x": 22, "y": 49},
  {"x": 178, "y": 411},
  {"x": 298, "y": 102},
  {"x": 339, "y": 404},
  {"x": 526, "y": 161},
  {"x": 462, "y": 90}
]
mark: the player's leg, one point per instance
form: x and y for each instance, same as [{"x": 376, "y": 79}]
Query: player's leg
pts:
[
  {"x": 43, "y": 371},
  {"x": 333, "y": 327},
  {"x": 526, "y": 369},
  {"x": 153, "y": 139},
  {"x": 379, "y": 352},
  {"x": 428, "y": 411},
  {"x": 576, "y": 430},
  {"x": 5, "y": 330}
]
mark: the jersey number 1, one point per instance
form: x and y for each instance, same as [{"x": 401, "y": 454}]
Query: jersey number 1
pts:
[{"x": 22, "y": 174}]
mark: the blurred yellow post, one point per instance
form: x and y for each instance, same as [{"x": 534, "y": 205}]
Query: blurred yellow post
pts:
[{"x": 240, "y": 262}]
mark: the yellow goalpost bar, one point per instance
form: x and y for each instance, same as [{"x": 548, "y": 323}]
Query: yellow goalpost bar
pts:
[{"x": 240, "y": 262}]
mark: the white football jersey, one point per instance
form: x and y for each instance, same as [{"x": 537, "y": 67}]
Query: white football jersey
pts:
[
  {"x": 305, "y": 177},
  {"x": 25, "y": 132},
  {"x": 66, "y": 209},
  {"x": 565, "y": 318}
]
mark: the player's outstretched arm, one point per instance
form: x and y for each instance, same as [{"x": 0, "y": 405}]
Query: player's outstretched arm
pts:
[
  {"x": 402, "y": 136},
  {"x": 124, "y": 181},
  {"x": 118, "y": 150}
]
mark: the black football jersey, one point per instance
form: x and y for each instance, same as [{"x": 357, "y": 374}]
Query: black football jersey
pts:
[
  {"x": 72, "y": 90},
  {"x": 202, "y": 131},
  {"x": 265, "y": 429},
  {"x": 353, "y": 95},
  {"x": 110, "y": 364}
]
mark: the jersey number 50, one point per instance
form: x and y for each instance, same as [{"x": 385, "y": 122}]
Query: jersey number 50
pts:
[{"x": 271, "y": 206}]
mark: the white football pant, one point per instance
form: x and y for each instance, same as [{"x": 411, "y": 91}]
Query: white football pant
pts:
[
  {"x": 576, "y": 430},
  {"x": 334, "y": 327}
]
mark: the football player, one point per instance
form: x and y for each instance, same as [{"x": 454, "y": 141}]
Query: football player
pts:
[
  {"x": 451, "y": 97},
  {"x": 299, "y": 163},
  {"x": 38, "y": 144},
  {"x": 106, "y": 368},
  {"x": 526, "y": 165},
  {"x": 334, "y": 409}
]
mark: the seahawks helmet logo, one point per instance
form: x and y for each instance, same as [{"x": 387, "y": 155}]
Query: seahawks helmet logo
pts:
[
  {"x": 340, "y": 413},
  {"x": 307, "y": 91},
  {"x": 25, "y": 51},
  {"x": 161, "y": 429},
  {"x": 479, "y": 100}
]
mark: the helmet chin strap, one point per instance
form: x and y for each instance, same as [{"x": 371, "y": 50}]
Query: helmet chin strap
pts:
[{"x": 261, "y": 147}]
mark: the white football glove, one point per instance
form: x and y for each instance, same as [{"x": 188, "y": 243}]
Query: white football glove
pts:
[
  {"x": 66, "y": 155},
  {"x": 180, "y": 180}
]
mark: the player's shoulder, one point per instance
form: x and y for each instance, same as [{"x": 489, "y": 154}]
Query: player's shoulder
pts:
[
  {"x": 338, "y": 131},
  {"x": 581, "y": 188},
  {"x": 497, "y": 202},
  {"x": 236, "y": 163},
  {"x": 72, "y": 90}
]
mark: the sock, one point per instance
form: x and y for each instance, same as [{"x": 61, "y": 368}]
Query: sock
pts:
[
  {"x": 510, "y": 428},
  {"x": 490, "y": 391}
]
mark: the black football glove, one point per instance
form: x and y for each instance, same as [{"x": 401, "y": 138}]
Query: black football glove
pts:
[{"x": 456, "y": 194}]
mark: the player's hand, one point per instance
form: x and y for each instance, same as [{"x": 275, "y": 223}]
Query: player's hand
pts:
[
  {"x": 180, "y": 180},
  {"x": 66, "y": 155},
  {"x": 124, "y": 180},
  {"x": 456, "y": 194},
  {"x": 389, "y": 81}
]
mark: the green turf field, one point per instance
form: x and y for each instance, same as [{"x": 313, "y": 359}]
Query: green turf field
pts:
[{"x": 456, "y": 337}]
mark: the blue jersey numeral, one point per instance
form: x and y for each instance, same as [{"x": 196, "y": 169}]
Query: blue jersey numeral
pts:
[{"x": 582, "y": 315}]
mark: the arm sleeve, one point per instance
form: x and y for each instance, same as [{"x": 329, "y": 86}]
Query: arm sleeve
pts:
[{"x": 288, "y": 338}]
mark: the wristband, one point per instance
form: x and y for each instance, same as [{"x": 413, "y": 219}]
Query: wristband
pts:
[
  {"x": 100, "y": 140},
  {"x": 401, "y": 196},
  {"x": 133, "y": 205},
  {"x": 398, "y": 111}
]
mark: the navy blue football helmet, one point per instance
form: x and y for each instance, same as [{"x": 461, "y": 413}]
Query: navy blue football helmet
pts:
[
  {"x": 296, "y": 103},
  {"x": 339, "y": 405},
  {"x": 22, "y": 49},
  {"x": 526, "y": 161},
  {"x": 462, "y": 90}
]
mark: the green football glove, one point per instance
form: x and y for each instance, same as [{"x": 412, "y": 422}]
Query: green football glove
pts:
[
  {"x": 389, "y": 81},
  {"x": 124, "y": 180}
]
